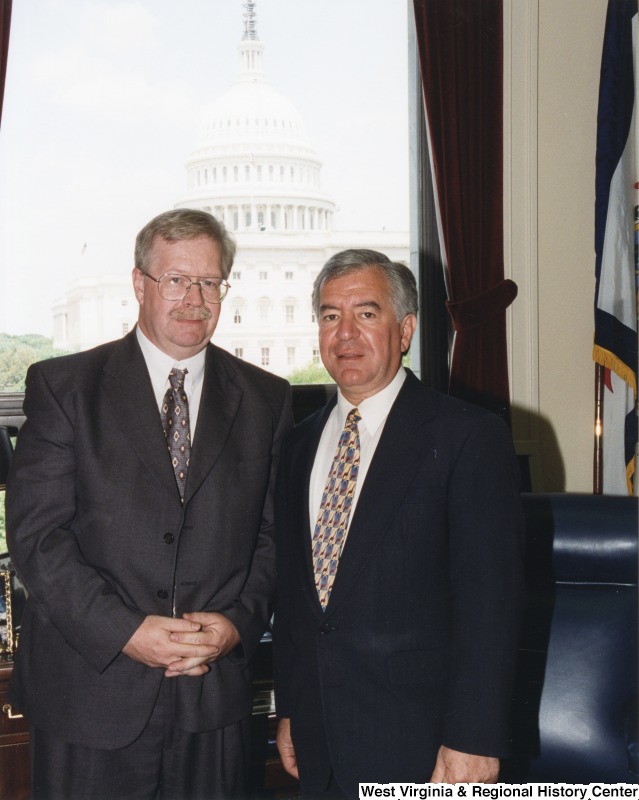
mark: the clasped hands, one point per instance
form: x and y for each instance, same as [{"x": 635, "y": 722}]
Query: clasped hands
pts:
[{"x": 182, "y": 646}]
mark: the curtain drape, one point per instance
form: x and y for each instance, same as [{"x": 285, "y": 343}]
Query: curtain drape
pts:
[
  {"x": 5, "y": 24},
  {"x": 460, "y": 48}
]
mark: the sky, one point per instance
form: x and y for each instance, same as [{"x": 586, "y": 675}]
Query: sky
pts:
[{"x": 102, "y": 105}]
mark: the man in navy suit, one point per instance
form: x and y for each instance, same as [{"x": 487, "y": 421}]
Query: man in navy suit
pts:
[
  {"x": 149, "y": 580},
  {"x": 394, "y": 652}
]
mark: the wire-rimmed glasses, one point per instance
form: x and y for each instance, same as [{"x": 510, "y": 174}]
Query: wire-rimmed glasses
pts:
[{"x": 174, "y": 286}]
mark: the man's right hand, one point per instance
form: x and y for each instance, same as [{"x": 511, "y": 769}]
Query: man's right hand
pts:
[
  {"x": 285, "y": 747},
  {"x": 151, "y": 644}
]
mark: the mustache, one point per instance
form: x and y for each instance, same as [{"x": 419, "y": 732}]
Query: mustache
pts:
[{"x": 201, "y": 313}]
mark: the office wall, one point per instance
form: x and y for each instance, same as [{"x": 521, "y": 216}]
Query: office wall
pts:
[{"x": 569, "y": 51}]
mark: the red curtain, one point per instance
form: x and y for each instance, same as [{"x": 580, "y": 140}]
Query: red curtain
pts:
[
  {"x": 5, "y": 24},
  {"x": 460, "y": 47}
]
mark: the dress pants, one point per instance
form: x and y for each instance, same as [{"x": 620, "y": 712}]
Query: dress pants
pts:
[{"x": 163, "y": 763}]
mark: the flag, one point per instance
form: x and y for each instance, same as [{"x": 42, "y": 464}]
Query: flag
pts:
[{"x": 615, "y": 339}]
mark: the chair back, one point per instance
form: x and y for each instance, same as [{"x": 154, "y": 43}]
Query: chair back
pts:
[{"x": 576, "y": 698}]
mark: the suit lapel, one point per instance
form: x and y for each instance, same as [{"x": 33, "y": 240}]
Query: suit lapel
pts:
[
  {"x": 218, "y": 407},
  {"x": 396, "y": 460},
  {"x": 129, "y": 394}
]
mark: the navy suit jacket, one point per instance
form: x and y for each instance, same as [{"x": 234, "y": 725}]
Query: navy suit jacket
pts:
[
  {"x": 418, "y": 642},
  {"x": 100, "y": 537}
]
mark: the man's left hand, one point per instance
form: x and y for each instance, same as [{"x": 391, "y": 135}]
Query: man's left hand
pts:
[
  {"x": 455, "y": 767},
  {"x": 216, "y": 638}
]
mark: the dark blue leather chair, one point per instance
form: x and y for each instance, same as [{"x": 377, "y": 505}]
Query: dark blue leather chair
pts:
[{"x": 575, "y": 713}]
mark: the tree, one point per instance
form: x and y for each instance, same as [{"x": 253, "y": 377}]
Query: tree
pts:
[
  {"x": 312, "y": 372},
  {"x": 17, "y": 353}
]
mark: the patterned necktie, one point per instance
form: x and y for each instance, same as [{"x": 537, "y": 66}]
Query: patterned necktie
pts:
[
  {"x": 175, "y": 423},
  {"x": 335, "y": 508}
]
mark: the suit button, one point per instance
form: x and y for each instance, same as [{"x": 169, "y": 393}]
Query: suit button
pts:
[
  {"x": 326, "y": 628},
  {"x": 162, "y": 594},
  {"x": 168, "y": 538}
]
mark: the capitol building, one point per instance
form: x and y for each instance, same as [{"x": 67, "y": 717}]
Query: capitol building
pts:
[{"x": 254, "y": 167}]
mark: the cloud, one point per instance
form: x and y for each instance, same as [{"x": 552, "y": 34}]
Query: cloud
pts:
[
  {"x": 118, "y": 27},
  {"x": 109, "y": 65}
]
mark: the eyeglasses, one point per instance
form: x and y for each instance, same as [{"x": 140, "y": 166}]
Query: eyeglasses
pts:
[{"x": 173, "y": 286}]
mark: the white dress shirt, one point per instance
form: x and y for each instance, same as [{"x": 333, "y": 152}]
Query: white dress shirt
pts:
[
  {"x": 159, "y": 365},
  {"x": 374, "y": 411}
]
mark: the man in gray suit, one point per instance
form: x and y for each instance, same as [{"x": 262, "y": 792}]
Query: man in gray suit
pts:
[
  {"x": 399, "y": 587},
  {"x": 140, "y": 519}
]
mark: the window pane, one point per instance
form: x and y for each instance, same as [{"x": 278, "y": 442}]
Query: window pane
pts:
[{"x": 106, "y": 131}]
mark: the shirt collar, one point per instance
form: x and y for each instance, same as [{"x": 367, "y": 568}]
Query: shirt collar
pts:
[
  {"x": 160, "y": 363},
  {"x": 374, "y": 409}
]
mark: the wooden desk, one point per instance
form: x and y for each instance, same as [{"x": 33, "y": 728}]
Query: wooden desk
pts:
[
  {"x": 268, "y": 779},
  {"x": 14, "y": 745}
]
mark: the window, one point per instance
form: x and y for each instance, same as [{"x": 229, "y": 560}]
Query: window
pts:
[
  {"x": 236, "y": 275},
  {"x": 125, "y": 328},
  {"x": 145, "y": 159},
  {"x": 316, "y": 355},
  {"x": 239, "y": 352},
  {"x": 290, "y": 356},
  {"x": 265, "y": 357},
  {"x": 289, "y": 311}
]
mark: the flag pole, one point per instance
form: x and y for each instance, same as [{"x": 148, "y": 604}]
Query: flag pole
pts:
[{"x": 597, "y": 464}]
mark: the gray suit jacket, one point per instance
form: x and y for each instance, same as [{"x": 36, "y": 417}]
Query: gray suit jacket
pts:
[{"x": 101, "y": 539}]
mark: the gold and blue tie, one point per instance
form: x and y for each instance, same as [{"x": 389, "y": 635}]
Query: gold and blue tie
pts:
[
  {"x": 175, "y": 423},
  {"x": 334, "y": 512}
]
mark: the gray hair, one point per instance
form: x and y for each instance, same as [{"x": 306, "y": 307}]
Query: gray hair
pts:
[
  {"x": 401, "y": 281},
  {"x": 180, "y": 224}
]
